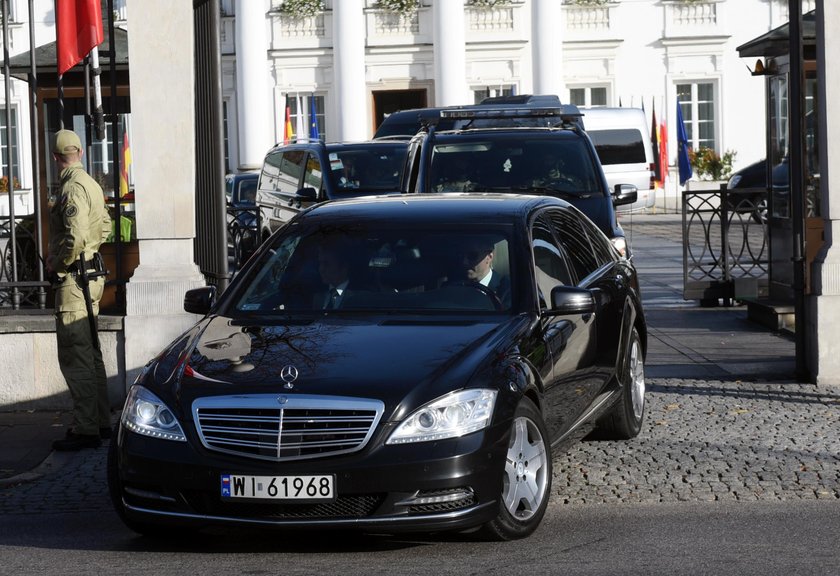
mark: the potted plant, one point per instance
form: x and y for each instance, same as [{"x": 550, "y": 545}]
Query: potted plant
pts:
[{"x": 708, "y": 165}]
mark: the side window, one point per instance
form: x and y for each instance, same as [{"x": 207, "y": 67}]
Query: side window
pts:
[
  {"x": 605, "y": 252},
  {"x": 550, "y": 263},
  {"x": 290, "y": 169},
  {"x": 313, "y": 177},
  {"x": 619, "y": 146},
  {"x": 572, "y": 234}
]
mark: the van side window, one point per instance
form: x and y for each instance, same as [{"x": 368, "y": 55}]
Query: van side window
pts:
[
  {"x": 313, "y": 177},
  {"x": 289, "y": 170},
  {"x": 619, "y": 146}
]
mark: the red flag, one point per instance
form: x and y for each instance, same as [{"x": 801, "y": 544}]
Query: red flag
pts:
[
  {"x": 663, "y": 152},
  {"x": 78, "y": 30}
]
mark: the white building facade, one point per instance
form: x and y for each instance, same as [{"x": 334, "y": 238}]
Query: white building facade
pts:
[
  {"x": 639, "y": 53},
  {"x": 353, "y": 62}
]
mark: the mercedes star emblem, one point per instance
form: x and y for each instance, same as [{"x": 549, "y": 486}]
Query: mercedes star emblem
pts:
[{"x": 288, "y": 374}]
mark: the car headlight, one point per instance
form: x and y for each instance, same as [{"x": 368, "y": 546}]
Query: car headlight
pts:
[
  {"x": 620, "y": 244},
  {"x": 733, "y": 182},
  {"x": 450, "y": 416},
  {"x": 146, "y": 414}
]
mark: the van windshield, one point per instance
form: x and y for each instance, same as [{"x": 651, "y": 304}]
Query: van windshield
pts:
[{"x": 618, "y": 146}]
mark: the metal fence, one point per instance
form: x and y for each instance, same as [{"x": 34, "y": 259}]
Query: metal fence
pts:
[
  {"x": 21, "y": 283},
  {"x": 725, "y": 245}
]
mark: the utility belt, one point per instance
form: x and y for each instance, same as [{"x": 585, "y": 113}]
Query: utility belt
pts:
[{"x": 88, "y": 269}]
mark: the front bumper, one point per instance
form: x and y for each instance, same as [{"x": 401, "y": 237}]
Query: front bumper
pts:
[{"x": 447, "y": 485}]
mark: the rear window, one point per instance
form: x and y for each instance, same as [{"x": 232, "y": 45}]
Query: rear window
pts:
[{"x": 619, "y": 146}]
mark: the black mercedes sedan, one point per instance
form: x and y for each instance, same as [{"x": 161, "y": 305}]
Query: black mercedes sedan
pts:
[{"x": 386, "y": 364}]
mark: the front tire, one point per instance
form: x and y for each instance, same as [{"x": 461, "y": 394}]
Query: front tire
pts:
[
  {"x": 624, "y": 421},
  {"x": 526, "y": 483}
]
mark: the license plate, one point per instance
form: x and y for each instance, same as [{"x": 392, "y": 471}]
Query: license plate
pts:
[{"x": 298, "y": 488}]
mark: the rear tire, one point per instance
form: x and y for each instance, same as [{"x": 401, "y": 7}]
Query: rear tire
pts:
[{"x": 526, "y": 482}]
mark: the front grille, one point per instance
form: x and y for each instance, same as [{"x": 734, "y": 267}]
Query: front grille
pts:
[
  {"x": 343, "y": 507},
  {"x": 278, "y": 427}
]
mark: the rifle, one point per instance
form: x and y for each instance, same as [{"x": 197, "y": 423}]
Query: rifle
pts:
[{"x": 84, "y": 282}]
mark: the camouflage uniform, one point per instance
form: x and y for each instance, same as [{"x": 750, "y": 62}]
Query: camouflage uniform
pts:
[{"x": 79, "y": 222}]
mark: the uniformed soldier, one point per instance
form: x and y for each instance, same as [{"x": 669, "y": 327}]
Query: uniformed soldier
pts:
[{"x": 79, "y": 223}]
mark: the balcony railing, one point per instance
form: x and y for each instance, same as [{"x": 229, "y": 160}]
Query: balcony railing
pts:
[{"x": 700, "y": 18}]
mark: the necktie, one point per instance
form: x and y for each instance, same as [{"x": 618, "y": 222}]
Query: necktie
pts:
[{"x": 332, "y": 301}]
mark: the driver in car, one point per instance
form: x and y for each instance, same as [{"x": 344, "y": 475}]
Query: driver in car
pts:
[{"x": 474, "y": 263}]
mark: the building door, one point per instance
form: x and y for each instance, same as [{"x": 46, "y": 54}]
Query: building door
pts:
[{"x": 387, "y": 101}]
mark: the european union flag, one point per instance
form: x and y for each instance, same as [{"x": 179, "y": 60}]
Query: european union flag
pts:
[
  {"x": 682, "y": 148},
  {"x": 314, "y": 133}
]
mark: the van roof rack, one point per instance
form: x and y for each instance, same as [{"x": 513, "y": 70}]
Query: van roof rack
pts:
[{"x": 567, "y": 114}]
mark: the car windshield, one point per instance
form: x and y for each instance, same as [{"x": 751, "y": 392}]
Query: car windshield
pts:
[
  {"x": 385, "y": 268},
  {"x": 366, "y": 169},
  {"x": 559, "y": 167}
]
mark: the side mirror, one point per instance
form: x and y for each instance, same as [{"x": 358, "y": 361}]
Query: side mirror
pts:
[
  {"x": 199, "y": 300},
  {"x": 306, "y": 195},
  {"x": 625, "y": 194},
  {"x": 571, "y": 300}
]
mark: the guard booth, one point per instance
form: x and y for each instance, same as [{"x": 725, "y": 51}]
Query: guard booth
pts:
[
  {"x": 73, "y": 111},
  {"x": 774, "y": 65}
]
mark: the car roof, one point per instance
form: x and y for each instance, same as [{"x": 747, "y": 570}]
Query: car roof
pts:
[
  {"x": 408, "y": 122},
  {"x": 460, "y": 207},
  {"x": 333, "y": 146},
  {"x": 621, "y": 117}
]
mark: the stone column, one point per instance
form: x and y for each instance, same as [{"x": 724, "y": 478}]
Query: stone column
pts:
[
  {"x": 824, "y": 309},
  {"x": 350, "y": 92},
  {"x": 450, "y": 54},
  {"x": 253, "y": 92},
  {"x": 547, "y": 47},
  {"x": 160, "y": 48}
]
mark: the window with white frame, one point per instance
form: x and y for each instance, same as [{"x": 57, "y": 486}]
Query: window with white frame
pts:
[
  {"x": 697, "y": 100},
  {"x": 482, "y": 92},
  {"x": 588, "y": 96},
  {"x": 5, "y": 143},
  {"x": 308, "y": 104}
]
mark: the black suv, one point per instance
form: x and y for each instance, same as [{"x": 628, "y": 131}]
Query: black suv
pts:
[
  {"x": 297, "y": 175},
  {"x": 526, "y": 150}
]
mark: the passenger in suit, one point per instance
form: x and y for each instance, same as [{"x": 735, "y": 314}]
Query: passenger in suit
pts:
[
  {"x": 336, "y": 258},
  {"x": 474, "y": 263}
]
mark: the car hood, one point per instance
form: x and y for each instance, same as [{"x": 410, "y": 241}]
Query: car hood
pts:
[{"x": 390, "y": 359}]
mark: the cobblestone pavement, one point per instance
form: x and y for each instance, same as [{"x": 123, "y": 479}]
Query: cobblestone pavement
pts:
[
  {"x": 714, "y": 441},
  {"x": 729, "y": 439}
]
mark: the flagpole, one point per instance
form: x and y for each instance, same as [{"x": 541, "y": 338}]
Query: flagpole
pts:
[
  {"x": 61, "y": 101},
  {"x": 98, "y": 113}
]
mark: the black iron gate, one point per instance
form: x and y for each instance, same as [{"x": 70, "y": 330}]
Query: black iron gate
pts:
[{"x": 725, "y": 245}]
